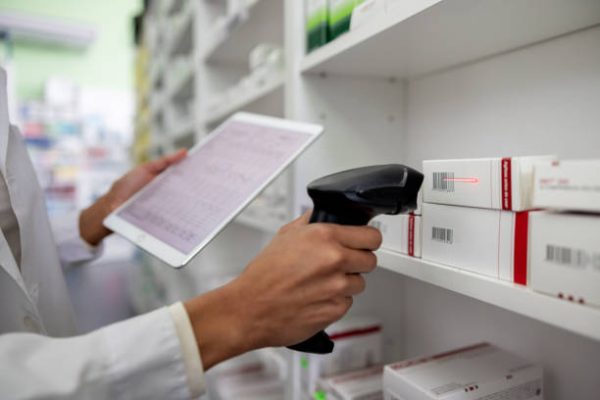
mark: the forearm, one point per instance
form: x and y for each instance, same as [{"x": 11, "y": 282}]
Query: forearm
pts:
[{"x": 219, "y": 325}]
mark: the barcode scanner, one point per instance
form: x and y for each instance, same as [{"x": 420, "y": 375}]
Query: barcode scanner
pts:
[{"x": 353, "y": 197}]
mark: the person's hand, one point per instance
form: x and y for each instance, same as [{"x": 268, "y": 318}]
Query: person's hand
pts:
[
  {"x": 91, "y": 228},
  {"x": 298, "y": 285}
]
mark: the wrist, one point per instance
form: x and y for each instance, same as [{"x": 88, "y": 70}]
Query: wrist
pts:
[
  {"x": 91, "y": 227},
  {"x": 220, "y": 328}
]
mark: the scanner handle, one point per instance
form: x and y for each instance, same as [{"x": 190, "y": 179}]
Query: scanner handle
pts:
[{"x": 320, "y": 343}]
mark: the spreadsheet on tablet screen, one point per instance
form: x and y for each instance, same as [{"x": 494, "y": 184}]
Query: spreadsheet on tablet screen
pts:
[{"x": 198, "y": 193}]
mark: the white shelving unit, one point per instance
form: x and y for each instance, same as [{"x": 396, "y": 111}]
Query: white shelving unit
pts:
[
  {"x": 426, "y": 79},
  {"x": 519, "y": 299}
]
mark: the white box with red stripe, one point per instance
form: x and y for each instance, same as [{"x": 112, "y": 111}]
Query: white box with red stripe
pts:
[
  {"x": 363, "y": 384},
  {"x": 565, "y": 256},
  {"x": 485, "y": 241},
  {"x": 572, "y": 185},
  {"x": 495, "y": 183},
  {"x": 401, "y": 233},
  {"x": 358, "y": 344},
  {"x": 481, "y": 371}
]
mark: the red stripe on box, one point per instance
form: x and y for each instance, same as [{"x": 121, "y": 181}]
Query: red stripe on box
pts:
[
  {"x": 520, "y": 256},
  {"x": 355, "y": 332},
  {"x": 506, "y": 184},
  {"x": 411, "y": 235}
]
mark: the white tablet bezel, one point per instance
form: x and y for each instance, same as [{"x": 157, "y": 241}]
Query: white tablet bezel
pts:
[{"x": 169, "y": 254}]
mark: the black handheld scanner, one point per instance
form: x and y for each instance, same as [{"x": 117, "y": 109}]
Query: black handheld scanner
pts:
[{"x": 354, "y": 197}]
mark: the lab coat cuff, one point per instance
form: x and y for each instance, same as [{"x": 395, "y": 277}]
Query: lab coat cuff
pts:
[
  {"x": 72, "y": 249},
  {"x": 189, "y": 349},
  {"x": 145, "y": 358}
]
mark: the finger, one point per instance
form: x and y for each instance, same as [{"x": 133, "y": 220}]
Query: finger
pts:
[
  {"x": 358, "y": 237},
  {"x": 298, "y": 222},
  {"x": 158, "y": 166},
  {"x": 354, "y": 284},
  {"x": 359, "y": 261},
  {"x": 177, "y": 156}
]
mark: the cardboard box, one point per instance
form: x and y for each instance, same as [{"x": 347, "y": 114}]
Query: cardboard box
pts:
[
  {"x": 358, "y": 344},
  {"x": 401, "y": 233},
  {"x": 477, "y": 372},
  {"x": 485, "y": 241},
  {"x": 356, "y": 385},
  {"x": 565, "y": 256},
  {"x": 495, "y": 183},
  {"x": 568, "y": 185}
]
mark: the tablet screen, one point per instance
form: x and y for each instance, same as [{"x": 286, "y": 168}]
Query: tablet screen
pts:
[{"x": 197, "y": 195}]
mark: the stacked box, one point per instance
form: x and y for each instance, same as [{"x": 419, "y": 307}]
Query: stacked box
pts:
[
  {"x": 401, "y": 233},
  {"x": 568, "y": 185},
  {"x": 564, "y": 245},
  {"x": 485, "y": 241},
  {"x": 476, "y": 214},
  {"x": 495, "y": 183}
]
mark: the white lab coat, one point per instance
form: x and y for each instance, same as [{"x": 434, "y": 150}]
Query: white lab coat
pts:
[{"x": 40, "y": 357}]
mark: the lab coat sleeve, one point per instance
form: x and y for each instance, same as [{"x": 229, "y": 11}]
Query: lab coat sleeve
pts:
[
  {"x": 72, "y": 249},
  {"x": 140, "y": 358}
]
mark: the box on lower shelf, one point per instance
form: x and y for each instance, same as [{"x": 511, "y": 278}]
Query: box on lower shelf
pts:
[{"x": 474, "y": 372}]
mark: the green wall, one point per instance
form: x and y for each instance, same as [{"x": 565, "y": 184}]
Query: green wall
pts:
[{"x": 108, "y": 62}]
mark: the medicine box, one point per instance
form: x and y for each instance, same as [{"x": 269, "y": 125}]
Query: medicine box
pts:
[
  {"x": 565, "y": 256},
  {"x": 363, "y": 384},
  {"x": 485, "y": 241},
  {"x": 316, "y": 23},
  {"x": 568, "y": 185},
  {"x": 401, "y": 233},
  {"x": 358, "y": 344},
  {"x": 477, "y": 372},
  {"x": 495, "y": 183},
  {"x": 339, "y": 16},
  {"x": 366, "y": 12}
]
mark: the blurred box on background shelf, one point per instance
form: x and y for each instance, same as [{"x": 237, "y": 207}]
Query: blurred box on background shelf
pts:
[
  {"x": 496, "y": 183},
  {"x": 362, "y": 384},
  {"x": 316, "y": 21},
  {"x": 358, "y": 344},
  {"x": 485, "y": 241},
  {"x": 481, "y": 371},
  {"x": 401, "y": 233},
  {"x": 565, "y": 256},
  {"x": 247, "y": 377},
  {"x": 339, "y": 16},
  {"x": 366, "y": 12},
  {"x": 572, "y": 185}
]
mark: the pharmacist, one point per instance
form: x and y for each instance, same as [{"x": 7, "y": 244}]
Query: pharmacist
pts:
[{"x": 300, "y": 283}]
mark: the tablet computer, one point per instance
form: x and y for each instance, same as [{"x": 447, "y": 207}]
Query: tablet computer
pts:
[{"x": 184, "y": 208}]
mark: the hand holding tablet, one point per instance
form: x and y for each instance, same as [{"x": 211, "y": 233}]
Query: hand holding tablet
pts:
[{"x": 182, "y": 210}]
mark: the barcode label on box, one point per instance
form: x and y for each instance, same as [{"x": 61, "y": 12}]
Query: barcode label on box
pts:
[
  {"x": 567, "y": 256},
  {"x": 444, "y": 235},
  {"x": 443, "y": 181}
]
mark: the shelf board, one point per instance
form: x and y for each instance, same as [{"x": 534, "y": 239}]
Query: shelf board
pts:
[
  {"x": 247, "y": 98},
  {"x": 580, "y": 319},
  {"x": 263, "y": 24},
  {"x": 419, "y": 37}
]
